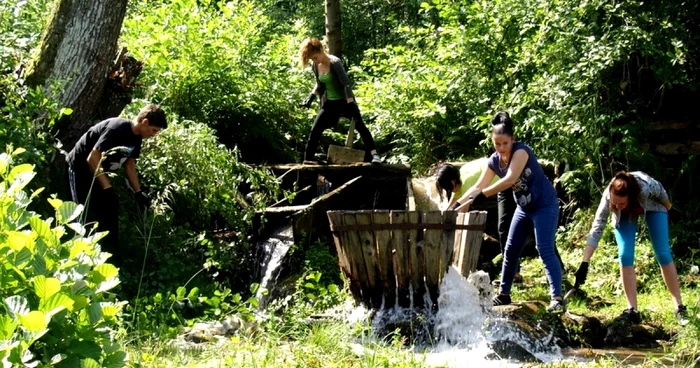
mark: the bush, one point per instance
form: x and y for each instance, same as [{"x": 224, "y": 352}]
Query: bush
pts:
[
  {"x": 226, "y": 65},
  {"x": 197, "y": 186},
  {"x": 56, "y": 309}
]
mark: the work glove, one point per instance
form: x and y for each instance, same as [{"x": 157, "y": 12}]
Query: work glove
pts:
[
  {"x": 581, "y": 273},
  {"x": 142, "y": 201},
  {"x": 308, "y": 101},
  {"x": 479, "y": 197}
]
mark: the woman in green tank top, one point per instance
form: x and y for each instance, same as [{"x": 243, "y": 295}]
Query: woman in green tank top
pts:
[{"x": 337, "y": 99}]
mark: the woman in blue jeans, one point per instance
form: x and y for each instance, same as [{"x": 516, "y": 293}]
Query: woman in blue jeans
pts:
[
  {"x": 537, "y": 207},
  {"x": 629, "y": 196}
]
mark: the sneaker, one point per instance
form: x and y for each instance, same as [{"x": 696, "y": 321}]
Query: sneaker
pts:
[
  {"x": 376, "y": 159},
  {"x": 630, "y": 315},
  {"x": 682, "y": 315},
  {"x": 501, "y": 299},
  {"x": 557, "y": 306}
]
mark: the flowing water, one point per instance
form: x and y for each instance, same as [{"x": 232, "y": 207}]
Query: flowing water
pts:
[
  {"x": 271, "y": 254},
  {"x": 461, "y": 332}
]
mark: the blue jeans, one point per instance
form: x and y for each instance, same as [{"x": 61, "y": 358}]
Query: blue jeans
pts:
[
  {"x": 544, "y": 220},
  {"x": 626, "y": 233}
]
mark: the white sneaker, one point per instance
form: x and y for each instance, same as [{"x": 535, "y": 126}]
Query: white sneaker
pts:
[{"x": 376, "y": 159}]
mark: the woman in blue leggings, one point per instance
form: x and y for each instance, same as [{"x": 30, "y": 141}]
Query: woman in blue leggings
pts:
[
  {"x": 629, "y": 196},
  {"x": 537, "y": 207}
]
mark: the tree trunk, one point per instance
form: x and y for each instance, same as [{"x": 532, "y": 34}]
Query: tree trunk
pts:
[
  {"x": 77, "y": 48},
  {"x": 333, "y": 24}
]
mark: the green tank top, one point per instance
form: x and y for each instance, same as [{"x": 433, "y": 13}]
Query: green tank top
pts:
[
  {"x": 331, "y": 92},
  {"x": 469, "y": 173}
]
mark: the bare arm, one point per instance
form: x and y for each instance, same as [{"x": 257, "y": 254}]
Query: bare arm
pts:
[
  {"x": 130, "y": 168},
  {"x": 94, "y": 163}
]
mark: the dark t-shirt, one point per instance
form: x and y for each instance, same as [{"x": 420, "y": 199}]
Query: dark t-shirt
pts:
[
  {"x": 533, "y": 189},
  {"x": 108, "y": 134}
]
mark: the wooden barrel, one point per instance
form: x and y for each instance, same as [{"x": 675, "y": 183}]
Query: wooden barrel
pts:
[{"x": 392, "y": 257}]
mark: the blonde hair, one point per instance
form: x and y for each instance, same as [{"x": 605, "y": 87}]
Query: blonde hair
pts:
[{"x": 309, "y": 47}]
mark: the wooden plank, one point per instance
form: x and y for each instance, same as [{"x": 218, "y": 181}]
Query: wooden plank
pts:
[
  {"x": 459, "y": 235},
  {"x": 385, "y": 258},
  {"x": 416, "y": 256},
  {"x": 434, "y": 254},
  {"x": 448, "y": 241},
  {"x": 351, "y": 134},
  {"x": 401, "y": 259},
  {"x": 342, "y": 243},
  {"x": 410, "y": 199},
  {"x": 356, "y": 258},
  {"x": 366, "y": 238},
  {"x": 472, "y": 243},
  {"x": 344, "y": 155}
]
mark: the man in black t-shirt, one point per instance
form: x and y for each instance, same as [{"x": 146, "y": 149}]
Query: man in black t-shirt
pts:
[{"x": 105, "y": 147}]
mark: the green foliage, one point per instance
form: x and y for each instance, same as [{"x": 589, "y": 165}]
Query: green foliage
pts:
[
  {"x": 54, "y": 281},
  {"x": 26, "y": 114},
  {"x": 196, "y": 186},
  {"x": 565, "y": 71},
  {"x": 162, "y": 314},
  {"x": 228, "y": 66}
]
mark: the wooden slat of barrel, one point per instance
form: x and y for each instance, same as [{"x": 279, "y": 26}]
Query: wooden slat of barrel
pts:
[
  {"x": 366, "y": 238},
  {"x": 472, "y": 243},
  {"x": 434, "y": 254},
  {"x": 356, "y": 257},
  {"x": 340, "y": 240},
  {"x": 459, "y": 239},
  {"x": 384, "y": 255},
  {"x": 448, "y": 238},
  {"x": 401, "y": 258},
  {"x": 416, "y": 256}
]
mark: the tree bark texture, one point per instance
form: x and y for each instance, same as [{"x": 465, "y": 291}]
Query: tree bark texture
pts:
[
  {"x": 333, "y": 28},
  {"x": 77, "y": 49}
]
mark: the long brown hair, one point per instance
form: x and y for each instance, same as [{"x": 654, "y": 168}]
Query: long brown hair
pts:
[
  {"x": 623, "y": 185},
  {"x": 309, "y": 47}
]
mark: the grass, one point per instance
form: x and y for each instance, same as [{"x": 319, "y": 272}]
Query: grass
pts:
[
  {"x": 323, "y": 345},
  {"x": 335, "y": 344}
]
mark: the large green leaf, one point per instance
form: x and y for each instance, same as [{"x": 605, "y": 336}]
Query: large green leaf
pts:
[
  {"x": 89, "y": 363},
  {"x": 106, "y": 272},
  {"x": 107, "y": 285},
  {"x": 18, "y": 240},
  {"x": 34, "y": 321},
  {"x": 17, "y": 304},
  {"x": 7, "y": 326},
  {"x": 43, "y": 230},
  {"x": 115, "y": 360},
  {"x": 46, "y": 287},
  {"x": 94, "y": 312},
  {"x": 19, "y": 259},
  {"x": 67, "y": 212},
  {"x": 56, "y": 303},
  {"x": 85, "y": 349}
]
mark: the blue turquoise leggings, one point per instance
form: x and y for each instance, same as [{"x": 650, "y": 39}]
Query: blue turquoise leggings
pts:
[
  {"x": 544, "y": 220},
  {"x": 626, "y": 233}
]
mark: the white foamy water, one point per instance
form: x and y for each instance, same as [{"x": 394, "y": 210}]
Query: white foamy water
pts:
[
  {"x": 463, "y": 331},
  {"x": 274, "y": 250}
]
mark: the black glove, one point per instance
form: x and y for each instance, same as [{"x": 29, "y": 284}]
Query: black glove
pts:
[
  {"x": 454, "y": 206},
  {"x": 142, "y": 201},
  {"x": 581, "y": 273},
  {"x": 109, "y": 197},
  {"x": 479, "y": 197},
  {"x": 308, "y": 101}
]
